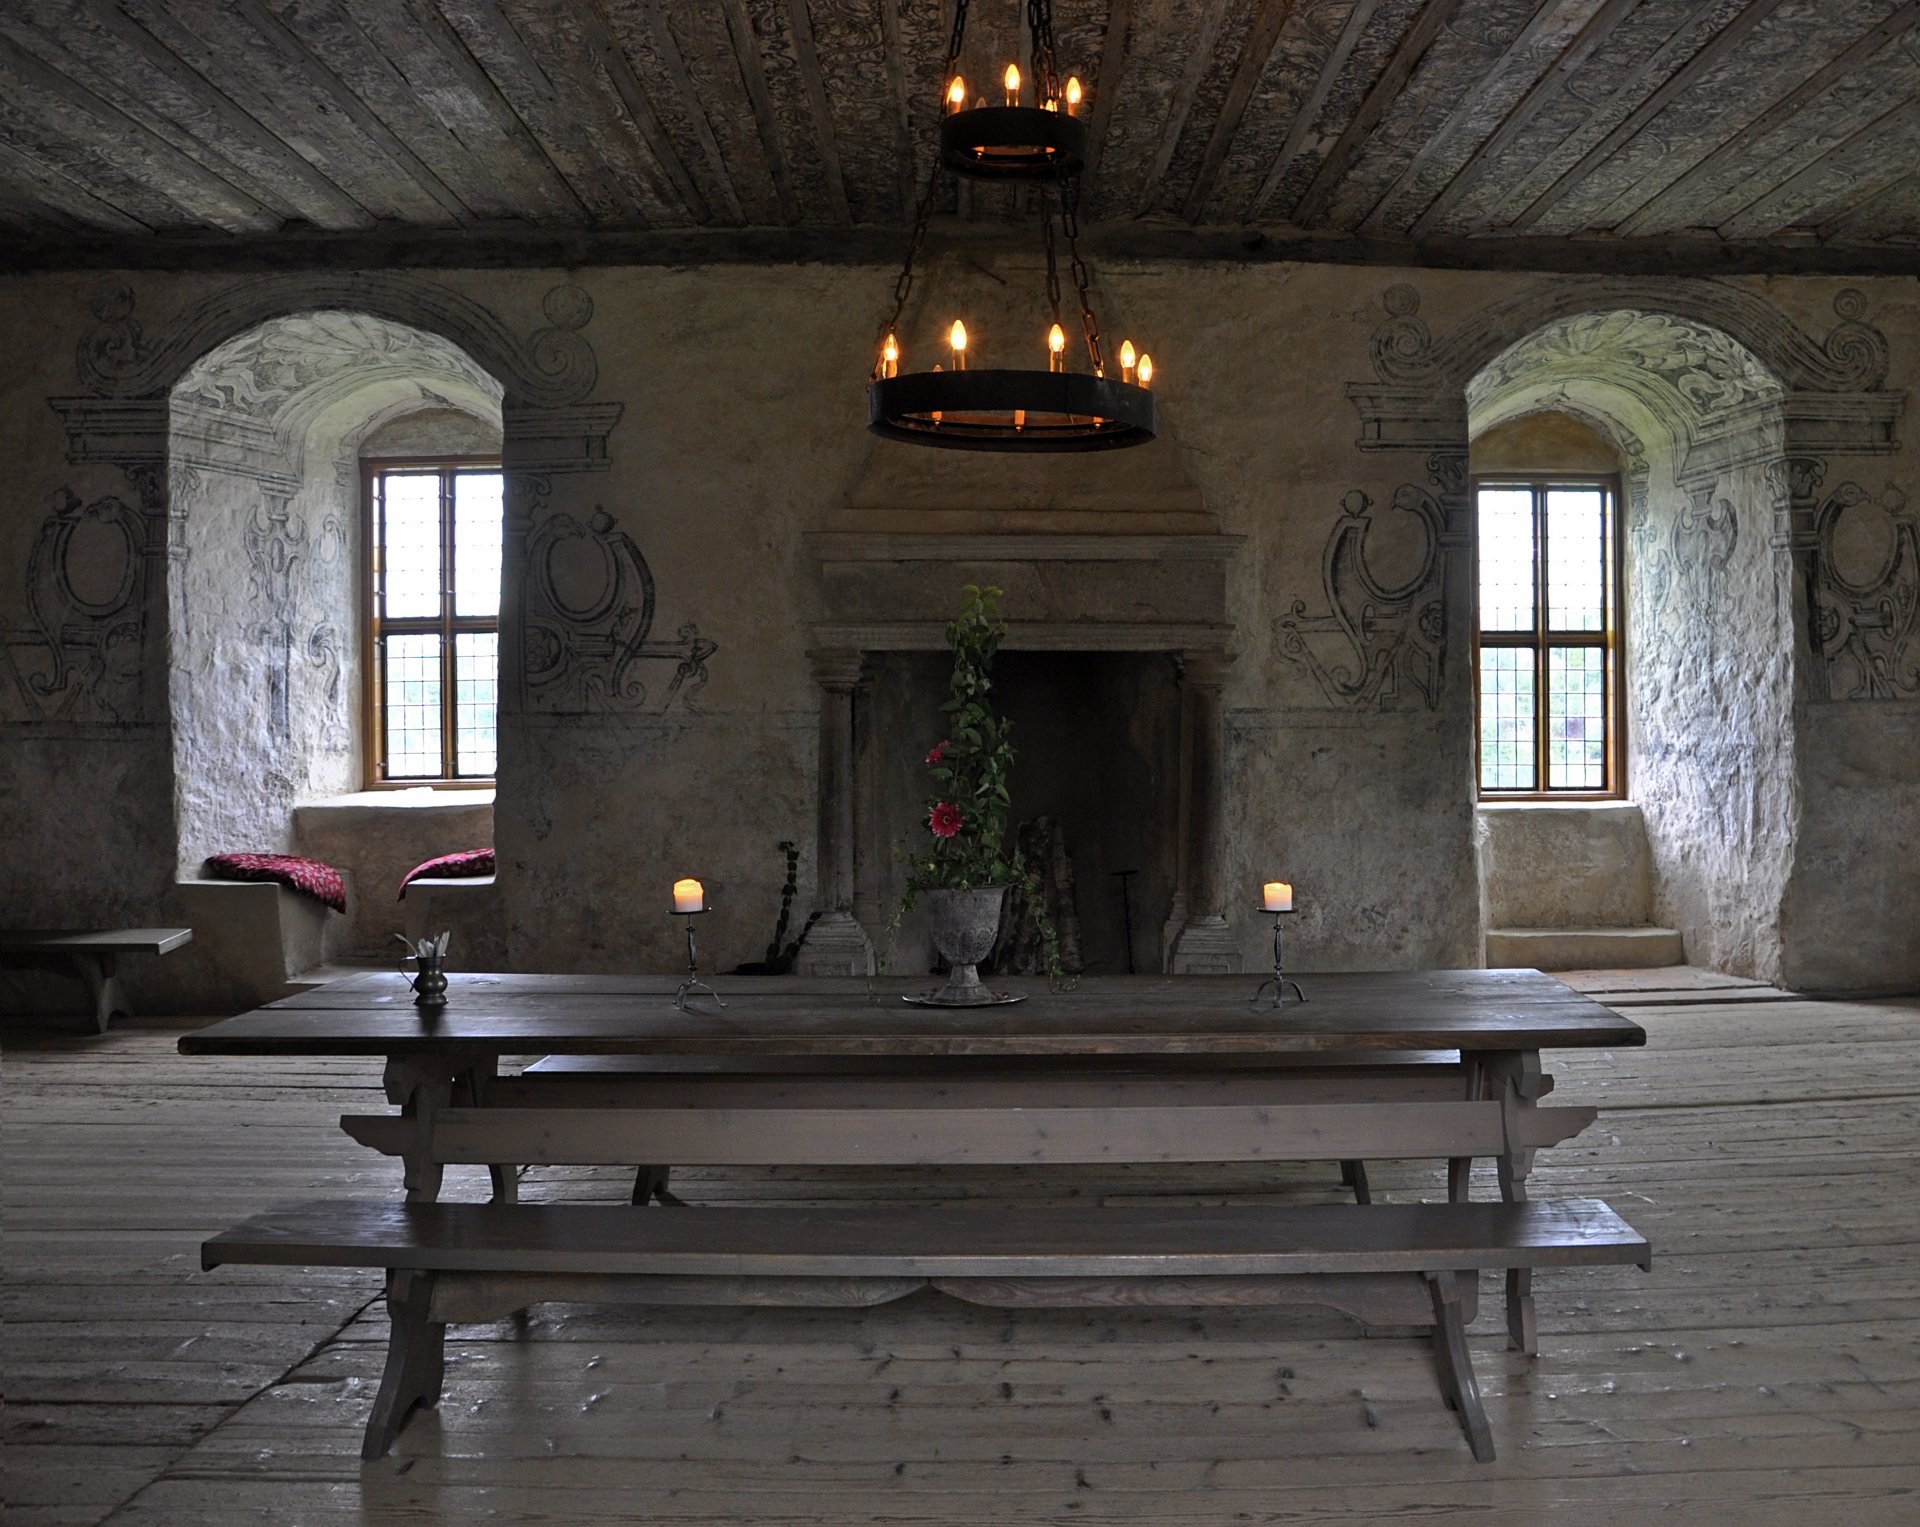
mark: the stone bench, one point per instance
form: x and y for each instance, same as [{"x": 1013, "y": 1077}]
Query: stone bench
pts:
[
  {"x": 95, "y": 956},
  {"x": 1384, "y": 1264}
]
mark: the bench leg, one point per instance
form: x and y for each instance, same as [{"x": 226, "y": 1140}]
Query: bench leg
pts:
[
  {"x": 103, "y": 983},
  {"x": 649, "y": 1182},
  {"x": 416, "y": 1361},
  {"x": 1456, "y": 1364},
  {"x": 1353, "y": 1174}
]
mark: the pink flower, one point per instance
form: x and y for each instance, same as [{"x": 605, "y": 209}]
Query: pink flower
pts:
[
  {"x": 944, "y": 819},
  {"x": 938, "y": 753}
]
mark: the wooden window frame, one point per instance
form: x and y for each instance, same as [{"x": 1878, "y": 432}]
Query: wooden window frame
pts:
[
  {"x": 1612, "y": 639},
  {"x": 445, "y": 625}
]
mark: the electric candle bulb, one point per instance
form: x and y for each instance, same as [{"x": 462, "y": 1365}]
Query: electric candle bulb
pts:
[
  {"x": 1012, "y": 83},
  {"x": 957, "y": 93},
  {"x": 1073, "y": 94},
  {"x": 1056, "y": 348},
  {"x": 957, "y": 337},
  {"x": 1126, "y": 360},
  {"x": 1143, "y": 373}
]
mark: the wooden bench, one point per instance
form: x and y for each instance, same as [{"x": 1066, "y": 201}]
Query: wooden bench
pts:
[
  {"x": 94, "y": 956},
  {"x": 1393, "y": 1264}
]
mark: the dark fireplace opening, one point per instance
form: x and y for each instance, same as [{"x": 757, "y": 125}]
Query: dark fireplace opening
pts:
[{"x": 1097, "y": 740}]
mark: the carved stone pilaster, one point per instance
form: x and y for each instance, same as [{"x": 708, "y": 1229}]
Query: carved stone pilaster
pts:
[
  {"x": 836, "y": 945},
  {"x": 1204, "y": 945}
]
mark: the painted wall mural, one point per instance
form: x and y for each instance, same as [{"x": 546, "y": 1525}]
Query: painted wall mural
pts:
[
  {"x": 1381, "y": 645},
  {"x": 1865, "y": 576},
  {"x": 81, "y": 653},
  {"x": 588, "y": 621}
]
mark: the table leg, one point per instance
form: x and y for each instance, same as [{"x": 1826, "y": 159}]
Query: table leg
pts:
[
  {"x": 1521, "y": 1085},
  {"x": 420, "y": 1089},
  {"x": 478, "y": 1080}
]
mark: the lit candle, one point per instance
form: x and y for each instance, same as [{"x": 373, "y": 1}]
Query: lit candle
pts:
[
  {"x": 1126, "y": 360},
  {"x": 1056, "y": 348},
  {"x": 890, "y": 356},
  {"x": 1143, "y": 373},
  {"x": 688, "y": 896},
  {"x": 957, "y": 337},
  {"x": 1073, "y": 94},
  {"x": 957, "y": 93},
  {"x": 936, "y": 412},
  {"x": 1019, "y": 419},
  {"x": 1012, "y": 82},
  {"x": 1279, "y": 896}
]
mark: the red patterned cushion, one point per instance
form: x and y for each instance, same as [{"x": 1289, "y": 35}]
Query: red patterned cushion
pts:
[
  {"x": 464, "y": 866},
  {"x": 307, "y": 876}
]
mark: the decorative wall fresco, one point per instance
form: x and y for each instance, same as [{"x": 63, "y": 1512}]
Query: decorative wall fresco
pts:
[
  {"x": 1865, "y": 577},
  {"x": 80, "y": 655},
  {"x": 1380, "y": 646},
  {"x": 588, "y": 619}
]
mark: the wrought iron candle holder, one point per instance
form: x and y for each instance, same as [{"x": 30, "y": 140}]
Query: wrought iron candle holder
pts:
[
  {"x": 693, "y": 983},
  {"x": 1279, "y": 980}
]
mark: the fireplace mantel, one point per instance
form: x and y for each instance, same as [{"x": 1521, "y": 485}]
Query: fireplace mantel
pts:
[{"x": 890, "y": 592}]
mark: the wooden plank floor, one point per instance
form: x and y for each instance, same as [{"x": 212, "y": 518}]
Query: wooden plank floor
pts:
[{"x": 1766, "y": 1371}]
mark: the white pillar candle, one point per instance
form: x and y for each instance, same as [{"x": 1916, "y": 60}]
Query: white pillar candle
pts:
[
  {"x": 1279, "y": 896},
  {"x": 689, "y": 896}
]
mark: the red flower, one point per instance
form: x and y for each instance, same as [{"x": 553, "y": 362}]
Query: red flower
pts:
[
  {"x": 938, "y": 753},
  {"x": 944, "y": 819}
]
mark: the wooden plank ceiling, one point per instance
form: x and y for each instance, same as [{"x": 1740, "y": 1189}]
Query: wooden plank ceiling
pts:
[{"x": 1778, "y": 134}]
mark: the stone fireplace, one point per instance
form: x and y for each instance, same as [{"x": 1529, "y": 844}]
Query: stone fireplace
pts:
[{"x": 1111, "y": 675}]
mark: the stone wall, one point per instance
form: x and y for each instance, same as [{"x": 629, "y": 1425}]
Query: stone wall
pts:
[{"x": 674, "y": 435}]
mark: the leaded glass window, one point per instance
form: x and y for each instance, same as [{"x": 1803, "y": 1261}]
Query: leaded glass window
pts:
[
  {"x": 1548, "y": 670},
  {"x": 433, "y": 580}
]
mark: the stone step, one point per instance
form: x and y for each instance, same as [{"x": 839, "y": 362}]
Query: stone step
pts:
[{"x": 1583, "y": 948}]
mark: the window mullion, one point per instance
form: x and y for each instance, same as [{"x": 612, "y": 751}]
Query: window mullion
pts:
[{"x": 1541, "y": 750}]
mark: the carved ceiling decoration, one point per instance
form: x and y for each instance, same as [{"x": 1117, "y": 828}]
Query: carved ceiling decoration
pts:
[{"x": 1778, "y": 133}]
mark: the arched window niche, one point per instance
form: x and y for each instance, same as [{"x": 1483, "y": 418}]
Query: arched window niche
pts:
[
  {"x": 267, "y": 595},
  {"x": 1694, "y": 423}
]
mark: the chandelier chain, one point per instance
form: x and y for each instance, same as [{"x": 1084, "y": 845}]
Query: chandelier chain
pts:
[
  {"x": 923, "y": 212},
  {"x": 1082, "y": 278},
  {"x": 1040, "y": 31},
  {"x": 1053, "y": 263}
]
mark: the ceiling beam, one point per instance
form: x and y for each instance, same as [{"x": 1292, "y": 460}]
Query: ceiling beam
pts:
[
  {"x": 71, "y": 202},
  {"x": 1882, "y": 133},
  {"x": 665, "y": 45},
  {"x": 452, "y": 48},
  {"x": 1421, "y": 34},
  {"x": 1544, "y": 18},
  {"x": 1624, "y": 132},
  {"x": 210, "y": 126},
  {"x": 619, "y": 71},
  {"x": 1748, "y": 134},
  {"x": 879, "y": 248},
  {"x": 746, "y": 52},
  {"x": 807, "y": 58},
  {"x": 1541, "y": 94},
  {"x": 296, "y": 55},
  {"x": 1263, "y": 36},
  {"x": 1106, "y": 88},
  {"x": 1872, "y": 201},
  {"x": 1331, "y": 68},
  {"x": 905, "y": 181},
  {"x": 1199, "y": 58},
  {"x": 108, "y": 135}
]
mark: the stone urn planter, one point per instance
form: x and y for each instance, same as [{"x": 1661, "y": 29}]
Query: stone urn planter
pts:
[{"x": 963, "y": 925}]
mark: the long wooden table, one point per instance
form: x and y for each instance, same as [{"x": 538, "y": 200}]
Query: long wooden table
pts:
[{"x": 1441, "y": 1064}]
